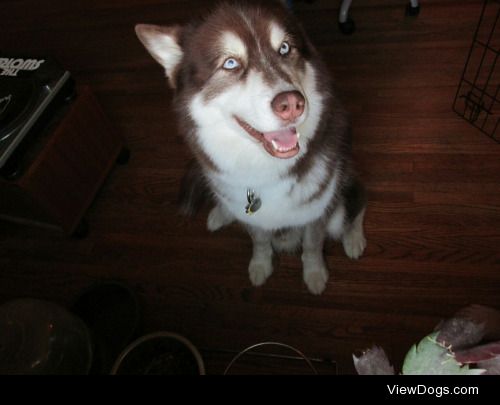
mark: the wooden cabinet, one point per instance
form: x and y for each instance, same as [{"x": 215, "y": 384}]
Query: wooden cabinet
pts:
[{"x": 56, "y": 185}]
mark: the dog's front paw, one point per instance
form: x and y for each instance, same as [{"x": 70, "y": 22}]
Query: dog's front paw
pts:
[
  {"x": 354, "y": 243},
  {"x": 259, "y": 271},
  {"x": 218, "y": 218},
  {"x": 316, "y": 280}
]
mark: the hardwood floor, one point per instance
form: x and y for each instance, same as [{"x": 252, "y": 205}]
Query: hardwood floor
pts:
[{"x": 433, "y": 219}]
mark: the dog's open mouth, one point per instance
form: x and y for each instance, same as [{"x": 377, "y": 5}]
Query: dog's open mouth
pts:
[{"x": 282, "y": 144}]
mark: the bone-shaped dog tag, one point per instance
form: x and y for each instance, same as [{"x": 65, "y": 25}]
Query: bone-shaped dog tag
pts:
[{"x": 254, "y": 203}]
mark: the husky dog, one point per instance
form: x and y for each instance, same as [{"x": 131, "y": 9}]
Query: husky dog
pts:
[{"x": 271, "y": 139}]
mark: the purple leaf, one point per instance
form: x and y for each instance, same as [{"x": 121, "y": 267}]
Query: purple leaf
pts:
[
  {"x": 478, "y": 353},
  {"x": 373, "y": 362}
]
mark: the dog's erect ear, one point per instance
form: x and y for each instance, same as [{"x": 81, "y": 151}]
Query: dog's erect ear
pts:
[{"x": 163, "y": 45}]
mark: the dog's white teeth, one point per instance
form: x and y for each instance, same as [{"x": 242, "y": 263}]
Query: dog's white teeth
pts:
[
  {"x": 278, "y": 148},
  {"x": 281, "y": 149},
  {"x": 298, "y": 135}
]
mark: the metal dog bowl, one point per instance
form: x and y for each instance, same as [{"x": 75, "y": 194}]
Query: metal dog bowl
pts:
[{"x": 161, "y": 353}]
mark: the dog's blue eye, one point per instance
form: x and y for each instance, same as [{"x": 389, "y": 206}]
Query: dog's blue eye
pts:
[
  {"x": 284, "y": 48},
  {"x": 231, "y": 64}
]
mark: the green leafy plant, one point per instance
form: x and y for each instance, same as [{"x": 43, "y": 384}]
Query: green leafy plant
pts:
[
  {"x": 456, "y": 347},
  {"x": 431, "y": 357}
]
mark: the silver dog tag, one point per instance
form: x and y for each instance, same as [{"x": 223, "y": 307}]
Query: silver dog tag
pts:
[{"x": 254, "y": 203}]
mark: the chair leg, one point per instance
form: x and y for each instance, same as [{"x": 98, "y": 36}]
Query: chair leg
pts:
[
  {"x": 344, "y": 11},
  {"x": 413, "y": 8},
  {"x": 346, "y": 23}
]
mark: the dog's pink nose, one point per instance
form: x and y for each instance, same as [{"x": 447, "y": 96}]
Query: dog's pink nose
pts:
[{"x": 288, "y": 105}]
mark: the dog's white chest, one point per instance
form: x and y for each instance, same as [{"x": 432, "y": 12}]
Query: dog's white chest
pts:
[{"x": 278, "y": 204}]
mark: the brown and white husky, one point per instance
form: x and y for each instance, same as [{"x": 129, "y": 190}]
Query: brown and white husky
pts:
[{"x": 271, "y": 140}]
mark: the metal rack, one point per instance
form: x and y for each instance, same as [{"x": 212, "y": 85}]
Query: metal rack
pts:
[{"x": 477, "y": 97}]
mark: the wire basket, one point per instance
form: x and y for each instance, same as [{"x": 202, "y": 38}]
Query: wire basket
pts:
[
  {"x": 273, "y": 359},
  {"x": 477, "y": 97}
]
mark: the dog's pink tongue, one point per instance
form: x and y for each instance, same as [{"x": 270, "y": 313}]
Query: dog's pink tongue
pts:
[{"x": 283, "y": 139}]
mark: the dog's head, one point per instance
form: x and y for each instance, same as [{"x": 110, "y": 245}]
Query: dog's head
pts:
[{"x": 245, "y": 77}]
